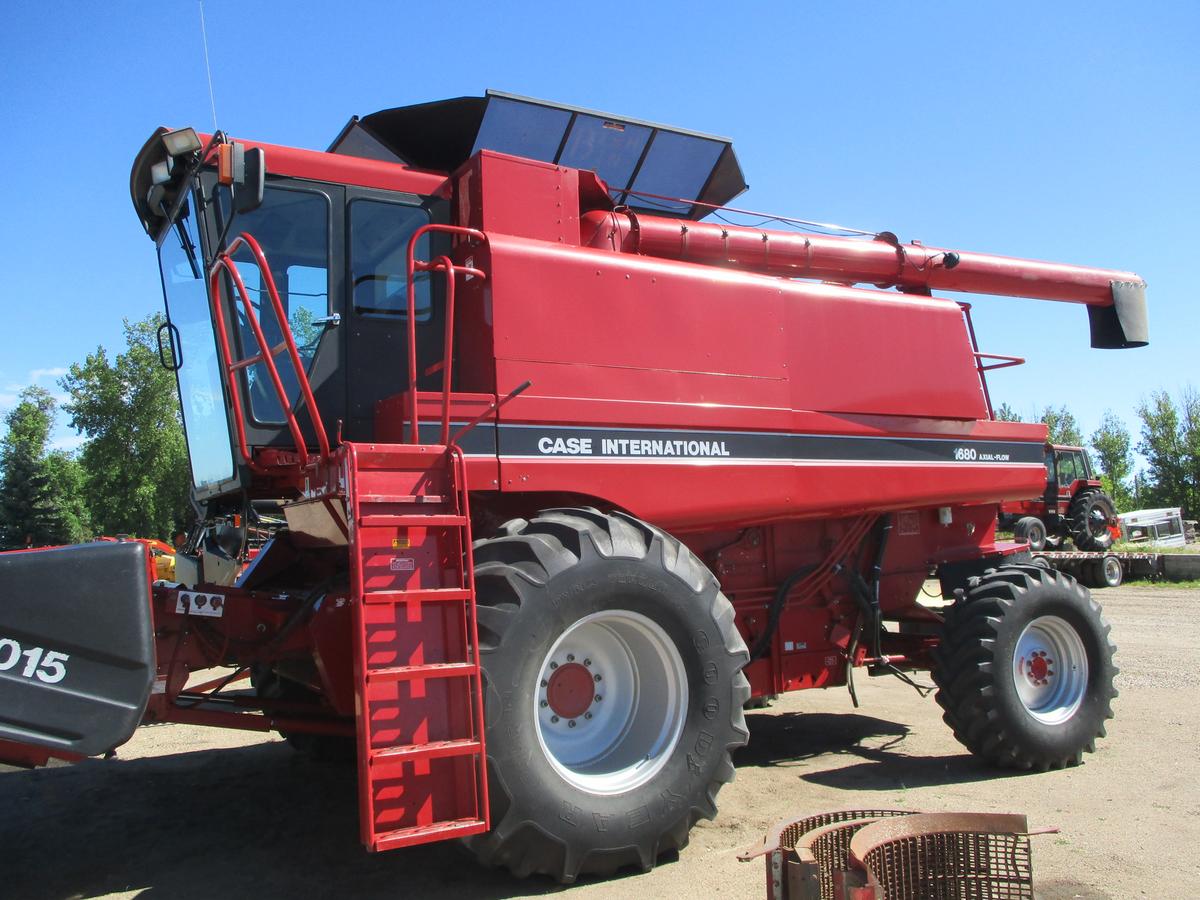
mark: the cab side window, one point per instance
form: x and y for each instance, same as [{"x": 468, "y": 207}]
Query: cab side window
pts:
[
  {"x": 379, "y": 236},
  {"x": 1067, "y": 470}
]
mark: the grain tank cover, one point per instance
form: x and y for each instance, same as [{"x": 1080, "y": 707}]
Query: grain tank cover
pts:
[{"x": 630, "y": 155}]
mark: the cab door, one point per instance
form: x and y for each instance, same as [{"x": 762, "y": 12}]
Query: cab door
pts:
[
  {"x": 379, "y": 225},
  {"x": 298, "y": 226}
]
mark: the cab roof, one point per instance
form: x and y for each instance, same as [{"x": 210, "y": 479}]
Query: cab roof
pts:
[{"x": 641, "y": 162}]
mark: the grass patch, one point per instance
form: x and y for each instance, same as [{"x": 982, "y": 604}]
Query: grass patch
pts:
[
  {"x": 1193, "y": 584},
  {"x": 1147, "y": 547}
]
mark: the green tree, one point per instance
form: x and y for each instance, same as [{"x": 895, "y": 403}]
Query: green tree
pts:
[
  {"x": 134, "y": 462},
  {"x": 67, "y": 484},
  {"x": 1005, "y": 413},
  {"x": 1171, "y": 444},
  {"x": 1063, "y": 427},
  {"x": 1112, "y": 444},
  {"x": 28, "y": 506}
]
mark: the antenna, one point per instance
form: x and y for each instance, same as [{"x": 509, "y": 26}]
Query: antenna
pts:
[{"x": 207, "y": 67}]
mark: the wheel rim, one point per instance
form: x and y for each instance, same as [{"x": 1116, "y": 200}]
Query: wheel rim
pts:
[
  {"x": 1111, "y": 567},
  {"x": 1050, "y": 669},
  {"x": 1095, "y": 522},
  {"x": 610, "y": 700},
  {"x": 1037, "y": 536}
]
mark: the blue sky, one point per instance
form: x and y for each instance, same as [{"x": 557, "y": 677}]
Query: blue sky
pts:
[{"x": 1063, "y": 131}]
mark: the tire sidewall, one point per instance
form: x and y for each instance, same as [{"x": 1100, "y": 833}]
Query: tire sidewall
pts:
[
  {"x": 1033, "y": 530},
  {"x": 1081, "y": 728},
  {"x": 1037, "y": 535},
  {"x": 1110, "y": 562},
  {"x": 1084, "y": 536},
  {"x": 598, "y": 584}
]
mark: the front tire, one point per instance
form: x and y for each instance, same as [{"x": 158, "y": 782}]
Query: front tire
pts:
[
  {"x": 1025, "y": 669},
  {"x": 614, "y": 693},
  {"x": 1089, "y": 515}
]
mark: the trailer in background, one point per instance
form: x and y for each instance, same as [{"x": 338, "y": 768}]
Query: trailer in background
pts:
[{"x": 1099, "y": 570}]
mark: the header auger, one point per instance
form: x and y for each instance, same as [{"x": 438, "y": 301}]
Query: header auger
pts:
[{"x": 569, "y": 477}]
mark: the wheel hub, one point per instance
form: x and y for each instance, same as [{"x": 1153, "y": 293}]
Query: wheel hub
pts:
[
  {"x": 1050, "y": 669},
  {"x": 1038, "y": 667},
  {"x": 610, "y": 702},
  {"x": 569, "y": 690}
]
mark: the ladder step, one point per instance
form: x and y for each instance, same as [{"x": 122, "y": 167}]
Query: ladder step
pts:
[
  {"x": 432, "y": 670},
  {"x": 433, "y": 750},
  {"x": 398, "y": 457},
  {"x": 420, "y": 834},
  {"x": 412, "y": 520},
  {"x": 401, "y": 498},
  {"x": 430, "y": 595}
]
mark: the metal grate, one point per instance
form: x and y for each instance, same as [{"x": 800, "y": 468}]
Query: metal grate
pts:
[
  {"x": 830, "y": 848},
  {"x": 947, "y": 856},
  {"x": 953, "y": 866},
  {"x": 791, "y": 833}
]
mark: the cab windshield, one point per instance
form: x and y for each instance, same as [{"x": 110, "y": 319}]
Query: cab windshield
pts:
[{"x": 201, "y": 400}]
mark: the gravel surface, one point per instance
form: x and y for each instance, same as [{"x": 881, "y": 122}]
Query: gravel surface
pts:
[{"x": 200, "y": 813}]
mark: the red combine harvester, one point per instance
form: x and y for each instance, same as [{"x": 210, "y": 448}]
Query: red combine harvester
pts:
[{"x": 569, "y": 476}]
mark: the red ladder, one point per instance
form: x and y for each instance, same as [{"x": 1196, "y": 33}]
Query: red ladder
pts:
[{"x": 421, "y": 759}]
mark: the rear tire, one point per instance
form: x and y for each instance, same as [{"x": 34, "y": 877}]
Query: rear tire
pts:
[
  {"x": 1107, "y": 572},
  {"x": 574, "y": 600},
  {"x": 1089, "y": 515},
  {"x": 1025, "y": 669},
  {"x": 1033, "y": 530}
]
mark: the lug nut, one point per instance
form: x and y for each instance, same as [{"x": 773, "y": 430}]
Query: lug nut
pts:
[
  {"x": 571, "y": 723},
  {"x": 554, "y": 719},
  {"x": 587, "y": 715},
  {"x": 598, "y": 698},
  {"x": 570, "y": 657},
  {"x": 554, "y": 665},
  {"x": 599, "y": 677},
  {"x": 587, "y": 662},
  {"x": 544, "y": 704},
  {"x": 544, "y": 682}
]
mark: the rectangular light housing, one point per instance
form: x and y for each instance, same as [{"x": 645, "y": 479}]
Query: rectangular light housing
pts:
[{"x": 182, "y": 141}]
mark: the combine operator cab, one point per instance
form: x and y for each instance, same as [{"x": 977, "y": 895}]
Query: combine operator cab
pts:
[
  {"x": 287, "y": 301},
  {"x": 561, "y": 477}
]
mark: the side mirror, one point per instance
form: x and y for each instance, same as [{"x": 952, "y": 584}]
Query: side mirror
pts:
[
  {"x": 245, "y": 171},
  {"x": 248, "y": 194}
]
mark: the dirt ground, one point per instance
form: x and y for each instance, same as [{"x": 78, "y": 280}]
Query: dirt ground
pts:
[{"x": 195, "y": 813}]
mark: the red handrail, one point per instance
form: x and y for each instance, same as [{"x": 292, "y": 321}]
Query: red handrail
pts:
[
  {"x": 441, "y": 264},
  {"x": 1006, "y": 361},
  {"x": 265, "y": 355}
]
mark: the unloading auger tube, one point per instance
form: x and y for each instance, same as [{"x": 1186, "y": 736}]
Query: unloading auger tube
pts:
[{"x": 1116, "y": 300}]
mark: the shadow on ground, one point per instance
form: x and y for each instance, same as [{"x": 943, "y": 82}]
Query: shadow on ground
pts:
[
  {"x": 259, "y": 821},
  {"x": 263, "y": 821},
  {"x": 783, "y": 738}
]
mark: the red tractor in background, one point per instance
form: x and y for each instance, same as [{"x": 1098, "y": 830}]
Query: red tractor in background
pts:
[
  {"x": 1073, "y": 506},
  {"x": 569, "y": 476}
]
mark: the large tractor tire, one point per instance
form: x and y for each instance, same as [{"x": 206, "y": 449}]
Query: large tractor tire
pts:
[
  {"x": 1025, "y": 669},
  {"x": 1089, "y": 515},
  {"x": 1033, "y": 530},
  {"x": 614, "y": 693}
]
